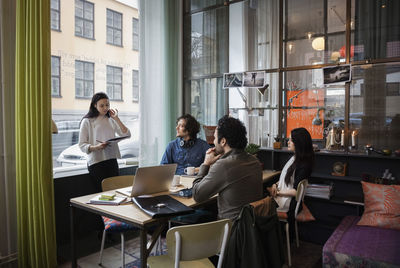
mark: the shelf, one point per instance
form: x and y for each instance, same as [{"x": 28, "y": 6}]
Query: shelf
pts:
[
  {"x": 337, "y": 200},
  {"x": 331, "y": 177}
]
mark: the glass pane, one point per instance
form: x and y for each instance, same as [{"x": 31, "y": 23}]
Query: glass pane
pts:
[
  {"x": 88, "y": 11},
  {"x": 376, "y": 30},
  {"x": 311, "y": 104},
  {"x": 109, "y": 18},
  {"x": 79, "y": 8},
  {"x": 374, "y": 109},
  {"x": 88, "y": 31},
  {"x": 54, "y": 4},
  {"x": 135, "y": 78},
  {"x": 135, "y": 26},
  {"x": 191, "y": 5},
  {"x": 117, "y": 75},
  {"x": 207, "y": 100},
  {"x": 117, "y": 21},
  {"x": 117, "y": 37},
  {"x": 78, "y": 70},
  {"x": 88, "y": 89},
  {"x": 55, "y": 86},
  {"x": 110, "y": 35},
  {"x": 135, "y": 44},
  {"x": 55, "y": 66},
  {"x": 205, "y": 36},
  {"x": 117, "y": 92},
  {"x": 78, "y": 27},
  {"x": 79, "y": 88},
  {"x": 110, "y": 75},
  {"x": 54, "y": 20},
  {"x": 306, "y": 39}
]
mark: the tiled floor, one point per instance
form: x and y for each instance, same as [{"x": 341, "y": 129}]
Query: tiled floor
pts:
[{"x": 308, "y": 255}]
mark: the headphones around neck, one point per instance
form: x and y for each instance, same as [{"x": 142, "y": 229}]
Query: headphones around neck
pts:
[{"x": 186, "y": 144}]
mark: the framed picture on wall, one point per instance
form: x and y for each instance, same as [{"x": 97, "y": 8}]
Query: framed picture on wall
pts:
[
  {"x": 253, "y": 79},
  {"x": 336, "y": 74},
  {"x": 233, "y": 80}
]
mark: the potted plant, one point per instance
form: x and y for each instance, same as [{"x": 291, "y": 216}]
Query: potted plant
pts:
[{"x": 252, "y": 148}]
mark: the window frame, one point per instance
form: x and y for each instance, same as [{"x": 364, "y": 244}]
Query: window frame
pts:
[
  {"x": 58, "y": 15},
  {"x": 113, "y": 28},
  {"x": 84, "y": 80},
  {"x": 85, "y": 20},
  {"x": 56, "y": 76},
  {"x": 111, "y": 96},
  {"x": 135, "y": 99},
  {"x": 135, "y": 34}
]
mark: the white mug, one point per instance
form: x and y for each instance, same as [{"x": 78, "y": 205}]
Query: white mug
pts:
[
  {"x": 176, "y": 181},
  {"x": 189, "y": 171}
]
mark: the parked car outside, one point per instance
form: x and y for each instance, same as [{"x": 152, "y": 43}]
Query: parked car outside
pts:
[{"x": 73, "y": 155}]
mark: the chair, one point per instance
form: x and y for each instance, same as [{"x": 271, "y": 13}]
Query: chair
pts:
[
  {"x": 283, "y": 216},
  {"x": 111, "y": 225},
  {"x": 191, "y": 245}
]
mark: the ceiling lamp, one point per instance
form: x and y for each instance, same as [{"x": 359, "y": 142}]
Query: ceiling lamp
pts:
[{"x": 318, "y": 43}]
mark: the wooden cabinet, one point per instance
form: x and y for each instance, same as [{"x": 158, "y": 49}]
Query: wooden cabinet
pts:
[{"x": 347, "y": 198}]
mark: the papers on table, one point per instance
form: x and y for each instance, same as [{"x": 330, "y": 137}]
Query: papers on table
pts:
[
  {"x": 98, "y": 200},
  {"x": 319, "y": 190}
]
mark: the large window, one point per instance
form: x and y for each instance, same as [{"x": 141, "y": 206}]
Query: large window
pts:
[
  {"x": 55, "y": 14},
  {"x": 114, "y": 28},
  {"x": 84, "y": 79},
  {"x": 84, "y": 19},
  {"x": 205, "y": 59},
  {"x": 55, "y": 76},
  {"x": 135, "y": 85},
  {"x": 135, "y": 34},
  {"x": 114, "y": 82},
  {"x": 84, "y": 67}
]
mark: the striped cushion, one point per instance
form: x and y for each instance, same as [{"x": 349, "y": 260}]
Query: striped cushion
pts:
[{"x": 111, "y": 225}]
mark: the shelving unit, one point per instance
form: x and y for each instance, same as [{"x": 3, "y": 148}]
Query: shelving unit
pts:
[{"x": 347, "y": 198}]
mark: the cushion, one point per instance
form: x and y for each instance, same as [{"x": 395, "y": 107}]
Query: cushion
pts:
[
  {"x": 382, "y": 205},
  {"x": 111, "y": 225},
  {"x": 305, "y": 214}
]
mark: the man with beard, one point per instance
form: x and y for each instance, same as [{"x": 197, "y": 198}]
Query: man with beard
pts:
[
  {"x": 186, "y": 150},
  {"x": 229, "y": 171}
]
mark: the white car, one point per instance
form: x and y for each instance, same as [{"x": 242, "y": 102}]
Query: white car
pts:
[{"x": 74, "y": 156}]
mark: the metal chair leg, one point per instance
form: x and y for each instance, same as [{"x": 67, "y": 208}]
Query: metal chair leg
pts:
[
  {"x": 102, "y": 246},
  {"x": 288, "y": 244},
  {"x": 123, "y": 250},
  {"x": 297, "y": 233}
]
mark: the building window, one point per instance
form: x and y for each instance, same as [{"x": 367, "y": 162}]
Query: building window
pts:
[
  {"x": 55, "y": 76},
  {"x": 135, "y": 85},
  {"x": 84, "y": 19},
  {"x": 114, "y": 28},
  {"x": 135, "y": 34},
  {"x": 55, "y": 14},
  {"x": 84, "y": 79},
  {"x": 114, "y": 82}
]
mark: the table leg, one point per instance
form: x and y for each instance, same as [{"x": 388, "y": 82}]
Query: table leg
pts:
[
  {"x": 143, "y": 248},
  {"x": 72, "y": 234}
]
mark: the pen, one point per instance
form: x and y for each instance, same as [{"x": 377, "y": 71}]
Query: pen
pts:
[{"x": 99, "y": 141}]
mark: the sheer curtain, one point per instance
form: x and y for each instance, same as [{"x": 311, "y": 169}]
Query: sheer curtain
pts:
[
  {"x": 160, "y": 76},
  {"x": 254, "y": 45},
  {"x": 8, "y": 216}
]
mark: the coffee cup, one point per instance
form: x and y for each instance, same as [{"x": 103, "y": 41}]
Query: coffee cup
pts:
[
  {"x": 189, "y": 171},
  {"x": 176, "y": 181}
]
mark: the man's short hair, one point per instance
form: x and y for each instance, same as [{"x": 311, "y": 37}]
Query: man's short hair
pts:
[
  {"x": 233, "y": 131},
  {"x": 192, "y": 126}
]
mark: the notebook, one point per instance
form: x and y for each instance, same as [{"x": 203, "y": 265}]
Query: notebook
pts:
[
  {"x": 150, "y": 180},
  {"x": 161, "y": 206}
]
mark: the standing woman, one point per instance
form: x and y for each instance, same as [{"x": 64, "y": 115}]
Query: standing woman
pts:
[
  {"x": 298, "y": 168},
  {"x": 99, "y": 125}
]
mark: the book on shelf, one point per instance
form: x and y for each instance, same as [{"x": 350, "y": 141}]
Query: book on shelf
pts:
[
  {"x": 107, "y": 200},
  {"x": 323, "y": 191}
]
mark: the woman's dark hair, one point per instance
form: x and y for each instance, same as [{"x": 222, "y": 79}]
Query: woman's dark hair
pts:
[
  {"x": 233, "y": 131},
  {"x": 303, "y": 150},
  {"x": 93, "y": 112},
  {"x": 191, "y": 126}
]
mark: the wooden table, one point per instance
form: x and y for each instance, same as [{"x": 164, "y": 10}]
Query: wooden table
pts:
[{"x": 131, "y": 214}]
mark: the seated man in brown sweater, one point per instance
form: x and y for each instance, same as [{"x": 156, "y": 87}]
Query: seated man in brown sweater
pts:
[{"x": 229, "y": 171}]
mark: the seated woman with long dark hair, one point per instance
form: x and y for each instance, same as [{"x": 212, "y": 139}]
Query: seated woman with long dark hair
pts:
[{"x": 298, "y": 168}]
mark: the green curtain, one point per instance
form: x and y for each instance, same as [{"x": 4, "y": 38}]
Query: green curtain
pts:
[
  {"x": 35, "y": 195},
  {"x": 171, "y": 67}
]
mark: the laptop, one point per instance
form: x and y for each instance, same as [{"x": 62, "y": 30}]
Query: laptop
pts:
[{"x": 150, "y": 180}]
